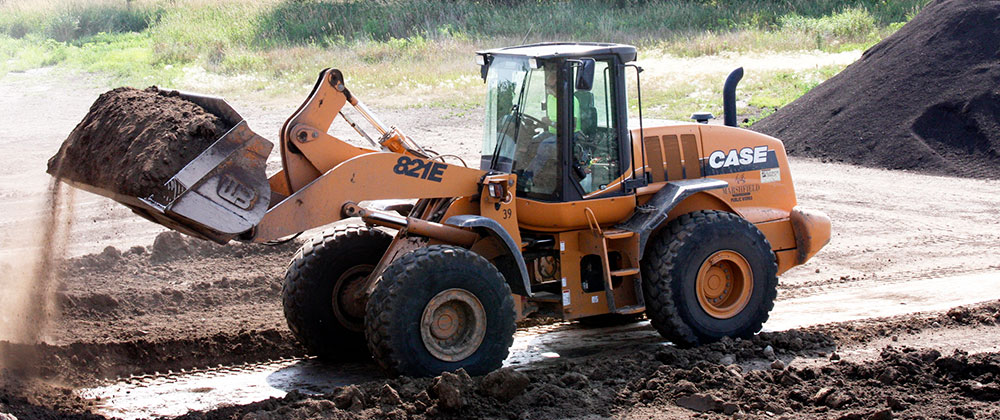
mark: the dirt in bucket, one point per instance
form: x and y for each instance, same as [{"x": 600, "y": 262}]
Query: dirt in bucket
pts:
[{"x": 132, "y": 141}]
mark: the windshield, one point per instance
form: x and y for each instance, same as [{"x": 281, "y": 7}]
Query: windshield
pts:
[{"x": 515, "y": 93}]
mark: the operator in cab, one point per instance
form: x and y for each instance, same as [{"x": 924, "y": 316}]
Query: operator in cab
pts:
[
  {"x": 542, "y": 170},
  {"x": 523, "y": 124}
]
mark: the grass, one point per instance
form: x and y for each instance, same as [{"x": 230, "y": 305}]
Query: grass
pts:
[
  {"x": 413, "y": 52},
  {"x": 278, "y": 23},
  {"x": 759, "y": 94}
]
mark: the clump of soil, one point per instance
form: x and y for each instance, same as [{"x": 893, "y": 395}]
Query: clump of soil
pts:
[
  {"x": 953, "y": 386},
  {"x": 926, "y": 98},
  {"x": 132, "y": 141},
  {"x": 676, "y": 384}
]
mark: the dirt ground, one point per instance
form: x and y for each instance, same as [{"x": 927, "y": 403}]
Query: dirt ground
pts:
[{"x": 135, "y": 301}]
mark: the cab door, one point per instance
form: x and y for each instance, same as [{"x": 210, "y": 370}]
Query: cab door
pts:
[{"x": 593, "y": 156}]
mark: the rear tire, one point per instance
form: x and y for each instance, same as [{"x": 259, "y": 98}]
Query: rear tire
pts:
[
  {"x": 335, "y": 264},
  {"x": 708, "y": 275},
  {"x": 437, "y": 309}
]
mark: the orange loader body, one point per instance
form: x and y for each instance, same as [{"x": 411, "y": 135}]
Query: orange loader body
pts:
[{"x": 700, "y": 219}]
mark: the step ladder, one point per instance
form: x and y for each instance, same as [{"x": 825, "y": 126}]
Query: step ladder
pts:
[{"x": 626, "y": 275}]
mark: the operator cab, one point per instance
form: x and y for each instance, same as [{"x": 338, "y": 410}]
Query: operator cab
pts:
[{"x": 556, "y": 117}]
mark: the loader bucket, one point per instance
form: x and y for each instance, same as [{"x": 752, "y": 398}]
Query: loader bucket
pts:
[{"x": 217, "y": 196}]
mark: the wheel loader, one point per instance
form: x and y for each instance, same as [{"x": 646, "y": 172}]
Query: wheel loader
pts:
[{"x": 575, "y": 211}]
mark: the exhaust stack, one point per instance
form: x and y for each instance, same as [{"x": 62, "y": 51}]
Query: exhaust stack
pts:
[{"x": 729, "y": 96}]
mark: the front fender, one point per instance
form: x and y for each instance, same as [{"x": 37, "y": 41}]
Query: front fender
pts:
[{"x": 516, "y": 278}]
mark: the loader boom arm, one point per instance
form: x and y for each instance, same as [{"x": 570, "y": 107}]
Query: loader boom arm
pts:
[
  {"x": 307, "y": 150},
  {"x": 224, "y": 193},
  {"x": 371, "y": 176},
  {"x": 321, "y": 173}
]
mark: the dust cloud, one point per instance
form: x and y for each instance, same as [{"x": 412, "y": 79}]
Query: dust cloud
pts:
[{"x": 28, "y": 283}]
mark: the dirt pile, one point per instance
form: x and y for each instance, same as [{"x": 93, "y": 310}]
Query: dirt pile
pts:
[
  {"x": 83, "y": 362},
  {"x": 926, "y": 98},
  {"x": 596, "y": 385},
  {"x": 122, "y": 314},
  {"x": 957, "y": 385},
  {"x": 132, "y": 141}
]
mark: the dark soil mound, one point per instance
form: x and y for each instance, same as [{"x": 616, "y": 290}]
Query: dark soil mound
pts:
[
  {"x": 926, "y": 98},
  {"x": 132, "y": 141}
]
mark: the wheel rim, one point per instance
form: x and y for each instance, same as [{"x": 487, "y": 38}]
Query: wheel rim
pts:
[
  {"x": 453, "y": 325},
  {"x": 724, "y": 285},
  {"x": 347, "y": 300}
]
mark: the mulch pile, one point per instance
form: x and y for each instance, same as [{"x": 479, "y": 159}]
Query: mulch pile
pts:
[
  {"x": 132, "y": 141},
  {"x": 926, "y": 98}
]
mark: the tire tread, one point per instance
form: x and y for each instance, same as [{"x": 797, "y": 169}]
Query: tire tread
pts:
[
  {"x": 299, "y": 286},
  {"x": 660, "y": 261},
  {"x": 386, "y": 340}
]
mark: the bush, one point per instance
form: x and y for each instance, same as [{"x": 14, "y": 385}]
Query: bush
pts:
[{"x": 850, "y": 24}]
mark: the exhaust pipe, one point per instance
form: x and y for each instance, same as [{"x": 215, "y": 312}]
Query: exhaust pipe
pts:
[{"x": 729, "y": 96}]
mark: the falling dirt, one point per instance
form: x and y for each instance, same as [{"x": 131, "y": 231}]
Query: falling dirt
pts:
[
  {"x": 29, "y": 283},
  {"x": 132, "y": 141},
  {"x": 28, "y": 307},
  {"x": 926, "y": 98}
]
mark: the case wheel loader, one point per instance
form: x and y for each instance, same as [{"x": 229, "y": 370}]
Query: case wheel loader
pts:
[{"x": 574, "y": 212}]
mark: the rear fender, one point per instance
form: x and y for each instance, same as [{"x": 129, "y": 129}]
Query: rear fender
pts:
[{"x": 655, "y": 212}]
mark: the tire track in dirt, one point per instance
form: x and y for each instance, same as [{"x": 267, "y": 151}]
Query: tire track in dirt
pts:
[{"x": 817, "y": 287}]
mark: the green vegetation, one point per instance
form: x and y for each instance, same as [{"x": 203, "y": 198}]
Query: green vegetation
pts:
[
  {"x": 763, "y": 92},
  {"x": 783, "y": 87},
  {"x": 417, "y": 48}
]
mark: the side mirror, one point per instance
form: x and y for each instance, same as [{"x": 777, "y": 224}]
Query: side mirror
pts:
[
  {"x": 484, "y": 65},
  {"x": 585, "y": 74}
]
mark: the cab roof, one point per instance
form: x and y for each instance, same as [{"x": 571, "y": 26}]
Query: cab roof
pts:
[{"x": 559, "y": 50}]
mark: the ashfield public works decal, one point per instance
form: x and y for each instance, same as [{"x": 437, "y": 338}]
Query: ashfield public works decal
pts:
[
  {"x": 722, "y": 162},
  {"x": 741, "y": 192}
]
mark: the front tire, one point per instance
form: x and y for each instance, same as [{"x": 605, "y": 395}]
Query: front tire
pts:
[
  {"x": 437, "y": 309},
  {"x": 708, "y": 275},
  {"x": 322, "y": 294}
]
